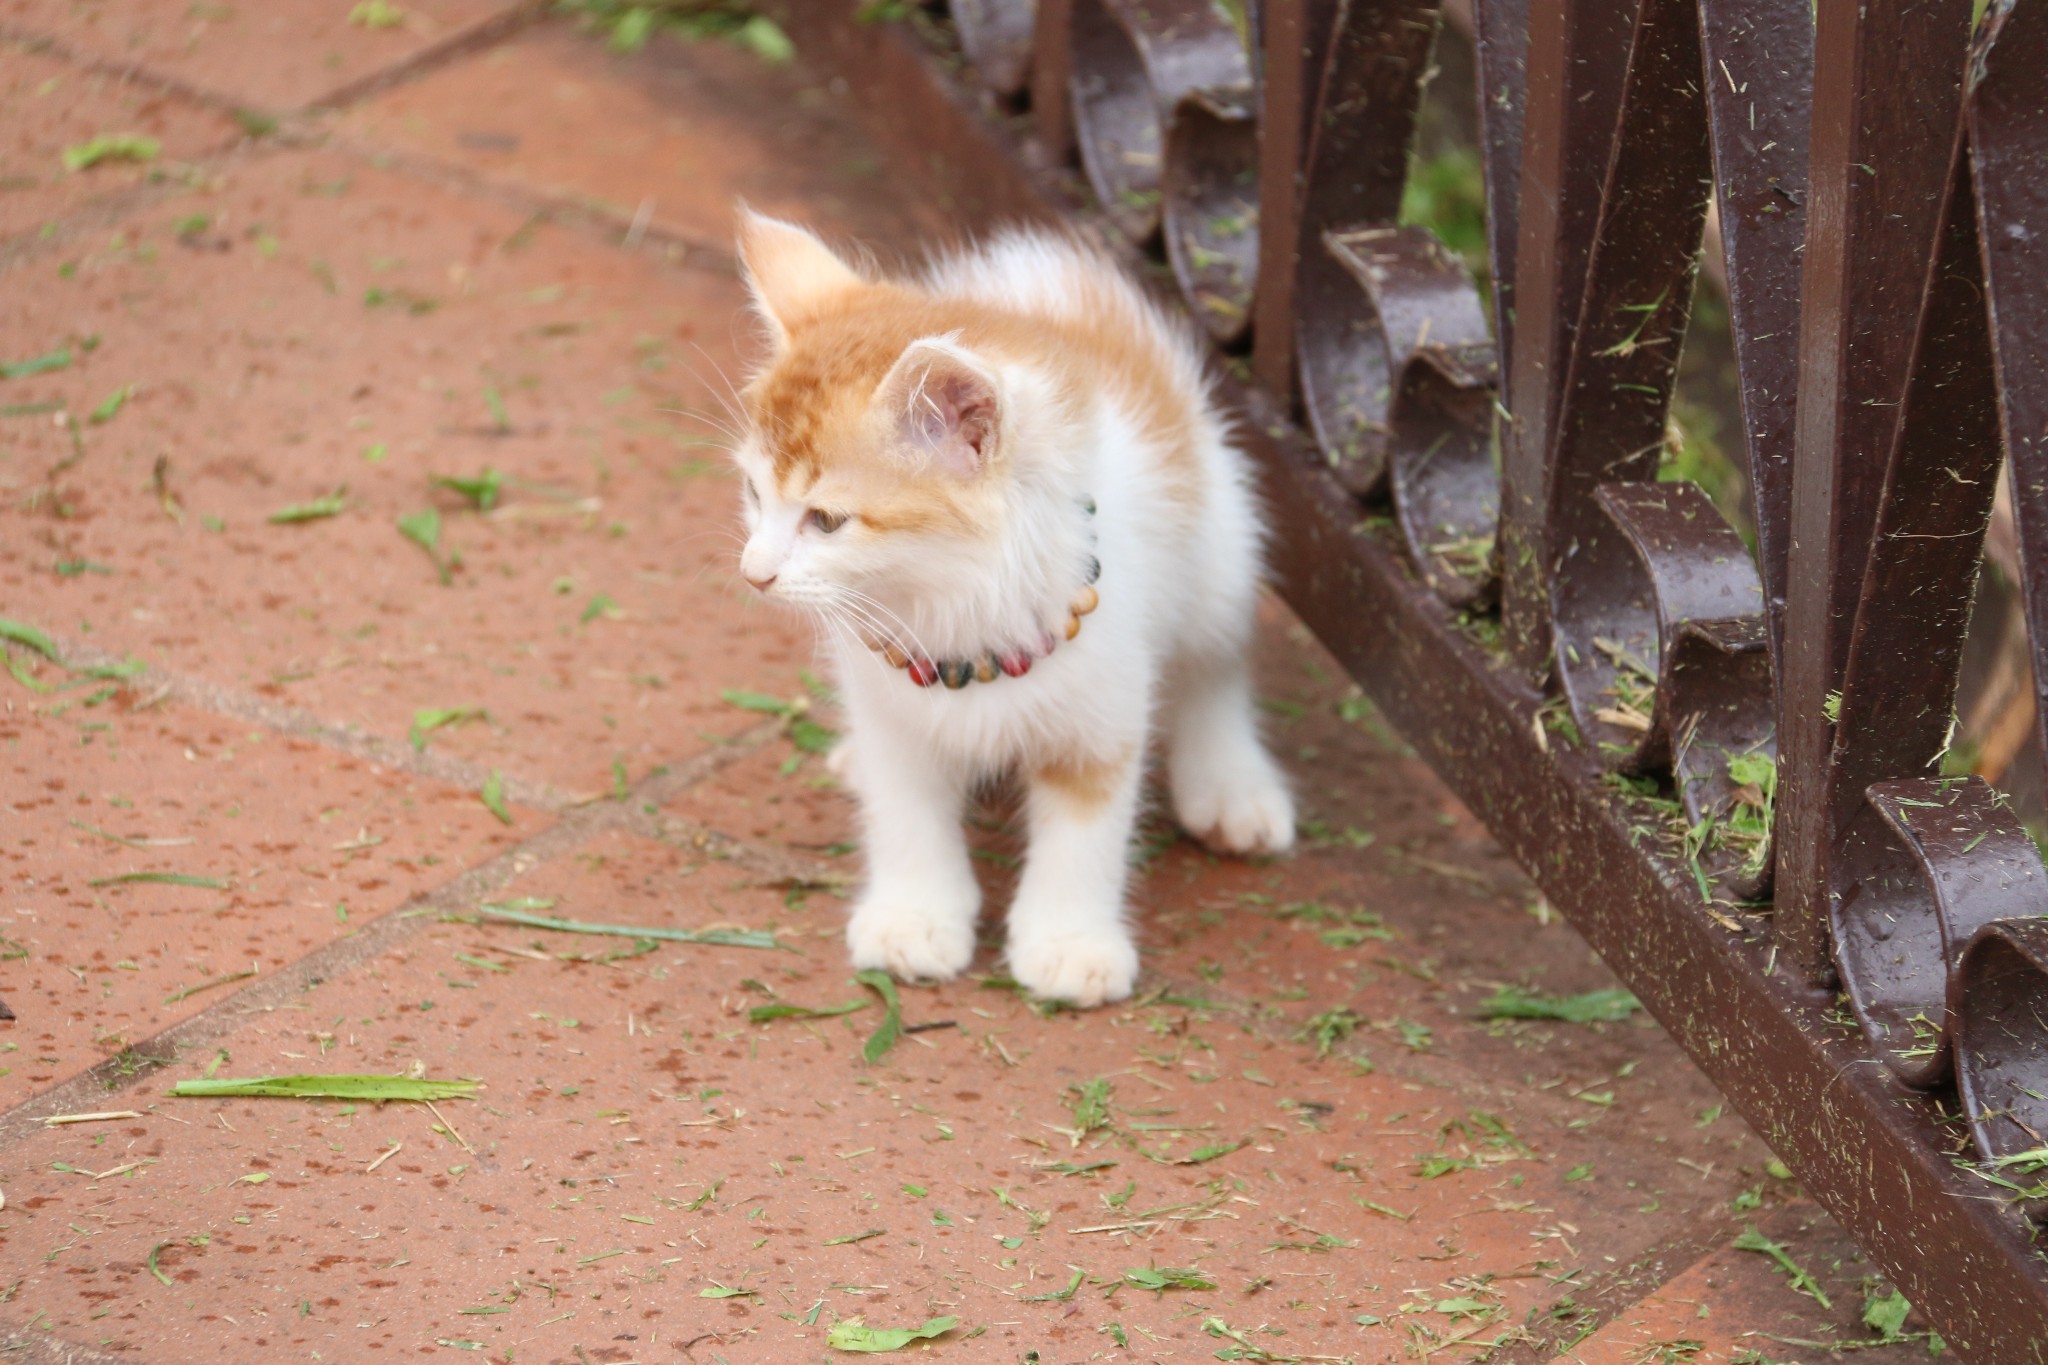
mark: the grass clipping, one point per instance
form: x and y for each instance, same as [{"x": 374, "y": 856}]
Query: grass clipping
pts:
[{"x": 377, "y": 1088}]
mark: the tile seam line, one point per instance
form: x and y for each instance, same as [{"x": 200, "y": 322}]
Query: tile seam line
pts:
[
  {"x": 436, "y": 53},
  {"x": 564, "y": 210},
  {"x": 90, "y": 1088},
  {"x": 155, "y": 685}
]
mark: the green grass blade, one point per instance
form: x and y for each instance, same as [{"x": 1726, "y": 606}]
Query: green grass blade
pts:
[
  {"x": 883, "y": 1038},
  {"x": 378, "y": 1088},
  {"x": 720, "y": 938}
]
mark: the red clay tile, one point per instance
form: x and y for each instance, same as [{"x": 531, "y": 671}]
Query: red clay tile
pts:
[
  {"x": 1739, "y": 1307},
  {"x": 678, "y": 131},
  {"x": 310, "y": 845},
  {"x": 595, "y": 614},
  {"x": 271, "y": 57},
  {"x": 48, "y": 106}
]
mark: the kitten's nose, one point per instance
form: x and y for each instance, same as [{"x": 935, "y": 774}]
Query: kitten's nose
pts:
[{"x": 763, "y": 583}]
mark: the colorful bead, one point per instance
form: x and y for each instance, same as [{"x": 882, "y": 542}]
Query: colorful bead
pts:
[
  {"x": 923, "y": 672},
  {"x": 895, "y": 657},
  {"x": 1083, "y": 602},
  {"x": 985, "y": 668},
  {"x": 1016, "y": 664},
  {"x": 1073, "y": 625},
  {"x": 956, "y": 673},
  {"x": 1094, "y": 570}
]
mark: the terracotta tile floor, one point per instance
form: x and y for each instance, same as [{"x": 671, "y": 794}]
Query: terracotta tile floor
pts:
[{"x": 481, "y": 246}]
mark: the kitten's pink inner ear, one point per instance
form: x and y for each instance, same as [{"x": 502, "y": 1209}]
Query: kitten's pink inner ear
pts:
[{"x": 946, "y": 407}]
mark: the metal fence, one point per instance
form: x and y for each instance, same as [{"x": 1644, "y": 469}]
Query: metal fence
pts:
[{"x": 1725, "y": 766}]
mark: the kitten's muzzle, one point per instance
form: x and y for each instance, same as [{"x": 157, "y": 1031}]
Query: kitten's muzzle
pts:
[{"x": 763, "y": 584}]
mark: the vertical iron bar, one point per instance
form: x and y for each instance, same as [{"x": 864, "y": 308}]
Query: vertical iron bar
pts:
[
  {"x": 1578, "y": 56},
  {"x": 1290, "y": 67},
  {"x": 2009, "y": 140},
  {"x": 1052, "y": 67},
  {"x": 1501, "y": 48},
  {"x": 1886, "y": 99},
  {"x": 1759, "y": 56}
]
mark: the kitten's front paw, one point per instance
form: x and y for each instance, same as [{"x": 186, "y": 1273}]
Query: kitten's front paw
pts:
[
  {"x": 908, "y": 942},
  {"x": 1080, "y": 969},
  {"x": 1245, "y": 813}
]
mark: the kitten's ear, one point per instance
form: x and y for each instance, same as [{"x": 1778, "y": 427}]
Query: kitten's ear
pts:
[
  {"x": 789, "y": 270},
  {"x": 945, "y": 406}
]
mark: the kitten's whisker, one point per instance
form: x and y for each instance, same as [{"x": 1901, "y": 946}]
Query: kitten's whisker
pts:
[
  {"x": 730, "y": 398},
  {"x": 886, "y": 622}
]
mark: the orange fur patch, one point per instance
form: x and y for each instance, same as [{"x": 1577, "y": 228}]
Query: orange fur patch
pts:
[
  {"x": 1083, "y": 782},
  {"x": 811, "y": 403}
]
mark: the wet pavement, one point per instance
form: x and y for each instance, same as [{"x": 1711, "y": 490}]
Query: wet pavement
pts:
[{"x": 359, "y": 459}]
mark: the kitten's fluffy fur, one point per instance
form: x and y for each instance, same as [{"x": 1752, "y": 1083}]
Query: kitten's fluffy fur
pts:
[{"x": 960, "y": 423}]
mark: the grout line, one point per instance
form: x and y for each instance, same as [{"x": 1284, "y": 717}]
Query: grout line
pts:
[
  {"x": 347, "y": 739},
  {"x": 434, "y": 55},
  {"x": 676, "y": 248},
  {"x": 89, "y": 1089}
]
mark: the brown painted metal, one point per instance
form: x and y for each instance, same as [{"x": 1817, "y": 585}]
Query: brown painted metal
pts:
[
  {"x": 1951, "y": 860},
  {"x": 1886, "y": 100},
  {"x": 1905, "y": 652},
  {"x": 1500, "y": 44},
  {"x": 1876, "y": 548},
  {"x": 1995, "y": 997},
  {"x": 1052, "y": 71},
  {"x": 1759, "y": 75},
  {"x": 1210, "y": 201},
  {"x": 1578, "y": 57},
  {"x": 1683, "y": 612},
  {"x": 1289, "y": 67},
  {"x": 1132, "y": 63},
  {"x": 1432, "y": 420},
  {"x": 1608, "y": 421},
  {"x": 2009, "y": 141},
  {"x": 1364, "y": 121}
]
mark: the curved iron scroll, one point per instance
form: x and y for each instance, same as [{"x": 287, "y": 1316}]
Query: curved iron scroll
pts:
[
  {"x": 1210, "y": 194},
  {"x": 1397, "y": 374},
  {"x": 1132, "y": 64},
  {"x": 1664, "y": 655},
  {"x": 2000, "y": 1041}
]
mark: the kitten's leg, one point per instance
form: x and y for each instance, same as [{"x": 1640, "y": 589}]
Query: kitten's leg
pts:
[
  {"x": 1068, "y": 939},
  {"x": 1227, "y": 790},
  {"x": 915, "y": 916}
]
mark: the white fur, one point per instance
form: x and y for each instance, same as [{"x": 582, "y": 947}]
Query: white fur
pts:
[{"x": 1167, "y": 650}]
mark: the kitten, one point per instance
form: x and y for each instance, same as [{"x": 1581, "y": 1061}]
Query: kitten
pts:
[{"x": 1004, "y": 490}]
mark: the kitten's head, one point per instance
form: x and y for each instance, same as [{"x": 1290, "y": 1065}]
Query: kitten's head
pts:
[{"x": 877, "y": 438}]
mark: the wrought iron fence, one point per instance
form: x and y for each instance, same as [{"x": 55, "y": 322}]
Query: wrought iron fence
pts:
[{"x": 1725, "y": 766}]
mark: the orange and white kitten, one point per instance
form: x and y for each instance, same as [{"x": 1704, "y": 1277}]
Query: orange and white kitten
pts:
[{"x": 1005, "y": 491}]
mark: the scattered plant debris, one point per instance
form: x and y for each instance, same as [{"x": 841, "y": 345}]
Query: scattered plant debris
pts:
[
  {"x": 883, "y": 1038},
  {"x": 369, "y": 1088},
  {"x": 1594, "y": 1007},
  {"x": 852, "y": 1334}
]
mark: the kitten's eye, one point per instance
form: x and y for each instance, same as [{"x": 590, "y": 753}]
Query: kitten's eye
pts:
[
  {"x": 828, "y": 522},
  {"x": 753, "y": 498}
]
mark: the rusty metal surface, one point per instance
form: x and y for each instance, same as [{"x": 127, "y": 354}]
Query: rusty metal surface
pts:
[
  {"x": 1409, "y": 334},
  {"x": 1210, "y": 191},
  {"x": 1868, "y": 549},
  {"x": 1131, "y": 65},
  {"x": 1950, "y": 860},
  {"x": 1759, "y": 78},
  {"x": 1673, "y": 666},
  {"x": 1357, "y": 157},
  {"x": 1578, "y": 56},
  {"x": 1289, "y": 71},
  {"x": 1887, "y": 95},
  {"x": 2009, "y": 143}
]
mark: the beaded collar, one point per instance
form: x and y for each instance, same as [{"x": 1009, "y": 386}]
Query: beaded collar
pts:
[{"x": 1012, "y": 663}]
